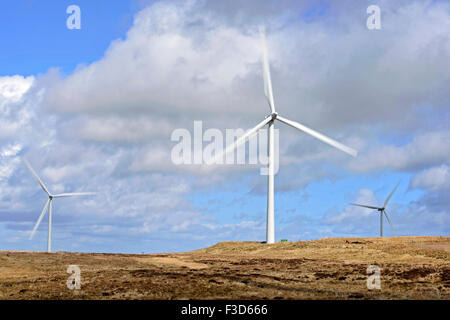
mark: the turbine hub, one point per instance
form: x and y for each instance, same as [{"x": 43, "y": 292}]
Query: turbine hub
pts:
[{"x": 274, "y": 115}]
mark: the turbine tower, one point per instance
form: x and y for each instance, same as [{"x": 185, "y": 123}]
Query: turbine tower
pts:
[
  {"x": 382, "y": 210},
  {"x": 270, "y": 120},
  {"x": 48, "y": 205}
]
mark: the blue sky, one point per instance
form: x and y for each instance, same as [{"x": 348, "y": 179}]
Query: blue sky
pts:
[
  {"x": 94, "y": 110},
  {"x": 41, "y": 41}
]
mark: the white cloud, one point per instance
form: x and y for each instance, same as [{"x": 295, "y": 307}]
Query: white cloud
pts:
[
  {"x": 53, "y": 174},
  {"x": 184, "y": 61},
  {"x": 13, "y": 88},
  {"x": 353, "y": 215},
  {"x": 433, "y": 179},
  {"x": 425, "y": 149},
  {"x": 11, "y": 150},
  {"x": 163, "y": 68},
  {"x": 14, "y": 115},
  {"x": 8, "y": 160}
]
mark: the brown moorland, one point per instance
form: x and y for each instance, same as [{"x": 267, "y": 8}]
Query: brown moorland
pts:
[{"x": 332, "y": 268}]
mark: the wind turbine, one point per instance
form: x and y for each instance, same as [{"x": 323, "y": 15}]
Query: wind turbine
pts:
[
  {"x": 382, "y": 210},
  {"x": 270, "y": 120},
  {"x": 48, "y": 205}
]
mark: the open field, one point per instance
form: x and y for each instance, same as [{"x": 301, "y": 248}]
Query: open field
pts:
[{"x": 411, "y": 268}]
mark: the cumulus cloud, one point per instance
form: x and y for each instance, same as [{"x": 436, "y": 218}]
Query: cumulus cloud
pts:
[
  {"x": 425, "y": 150},
  {"x": 14, "y": 116},
  {"x": 13, "y": 88},
  {"x": 165, "y": 65},
  {"x": 352, "y": 215},
  {"x": 8, "y": 158},
  {"x": 186, "y": 61},
  {"x": 433, "y": 179}
]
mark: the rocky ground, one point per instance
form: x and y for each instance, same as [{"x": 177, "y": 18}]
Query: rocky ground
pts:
[{"x": 335, "y": 268}]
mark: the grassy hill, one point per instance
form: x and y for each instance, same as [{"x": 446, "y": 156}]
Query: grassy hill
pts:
[{"x": 331, "y": 268}]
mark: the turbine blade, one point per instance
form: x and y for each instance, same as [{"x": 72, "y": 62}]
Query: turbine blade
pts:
[
  {"x": 389, "y": 197},
  {"x": 266, "y": 70},
  {"x": 40, "y": 219},
  {"x": 242, "y": 138},
  {"x": 364, "y": 206},
  {"x": 36, "y": 176},
  {"x": 389, "y": 220},
  {"x": 319, "y": 136},
  {"x": 75, "y": 194}
]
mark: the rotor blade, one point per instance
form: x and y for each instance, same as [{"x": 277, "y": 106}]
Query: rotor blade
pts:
[
  {"x": 76, "y": 194},
  {"x": 389, "y": 220},
  {"x": 266, "y": 70},
  {"x": 319, "y": 136},
  {"x": 36, "y": 176},
  {"x": 364, "y": 206},
  {"x": 243, "y": 138},
  {"x": 40, "y": 218},
  {"x": 389, "y": 197}
]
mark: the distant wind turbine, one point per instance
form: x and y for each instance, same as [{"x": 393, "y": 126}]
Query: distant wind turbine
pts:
[
  {"x": 270, "y": 120},
  {"x": 48, "y": 205},
  {"x": 382, "y": 210}
]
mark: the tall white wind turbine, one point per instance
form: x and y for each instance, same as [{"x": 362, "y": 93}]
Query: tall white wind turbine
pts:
[
  {"x": 382, "y": 210},
  {"x": 270, "y": 120},
  {"x": 48, "y": 205}
]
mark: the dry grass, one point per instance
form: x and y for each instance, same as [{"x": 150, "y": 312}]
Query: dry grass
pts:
[{"x": 411, "y": 268}]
